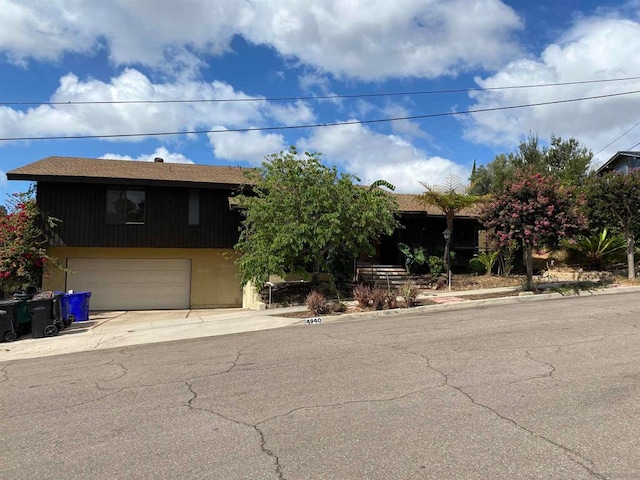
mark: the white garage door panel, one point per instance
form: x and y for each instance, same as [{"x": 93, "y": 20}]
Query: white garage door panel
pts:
[{"x": 132, "y": 284}]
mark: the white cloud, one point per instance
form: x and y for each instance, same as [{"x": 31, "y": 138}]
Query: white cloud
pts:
[
  {"x": 373, "y": 156},
  {"x": 141, "y": 31},
  {"x": 407, "y": 128},
  {"x": 106, "y": 119},
  {"x": 594, "y": 48},
  {"x": 368, "y": 39},
  {"x": 3, "y": 178},
  {"x": 160, "y": 152},
  {"x": 249, "y": 147},
  {"x": 290, "y": 114}
]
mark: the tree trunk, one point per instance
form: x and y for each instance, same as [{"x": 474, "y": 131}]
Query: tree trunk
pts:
[
  {"x": 631, "y": 261},
  {"x": 527, "y": 253}
]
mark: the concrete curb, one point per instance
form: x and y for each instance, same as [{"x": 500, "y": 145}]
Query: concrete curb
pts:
[{"x": 466, "y": 304}]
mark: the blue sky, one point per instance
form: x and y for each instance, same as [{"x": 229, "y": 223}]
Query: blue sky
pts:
[{"x": 74, "y": 50}]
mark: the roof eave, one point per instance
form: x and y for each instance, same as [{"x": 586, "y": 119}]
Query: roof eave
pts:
[{"x": 121, "y": 181}]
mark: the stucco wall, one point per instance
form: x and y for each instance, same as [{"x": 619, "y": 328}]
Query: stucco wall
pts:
[{"x": 215, "y": 280}]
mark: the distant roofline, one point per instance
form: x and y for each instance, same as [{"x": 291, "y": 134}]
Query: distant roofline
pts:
[{"x": 628, "y": 153}]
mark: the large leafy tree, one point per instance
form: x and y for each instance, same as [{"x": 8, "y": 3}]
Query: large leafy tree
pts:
[
  {"x": 613, "y": 200},
  {"x": 566, "y": 160},
  {"x": 301, "y": 212},
  {"x": 533, "y": 212},
  {"x": 22, "y": 243}
]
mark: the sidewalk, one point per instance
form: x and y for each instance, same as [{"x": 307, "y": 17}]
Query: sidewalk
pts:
[{"x": 122, "y": 329}]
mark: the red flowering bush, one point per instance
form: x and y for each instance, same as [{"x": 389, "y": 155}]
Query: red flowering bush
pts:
[
  {"x": 22, "y": 251},
  {"x": 534, "y": 212}
]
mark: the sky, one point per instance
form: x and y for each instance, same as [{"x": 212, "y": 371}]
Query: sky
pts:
[{"x": 259, "y": 65}]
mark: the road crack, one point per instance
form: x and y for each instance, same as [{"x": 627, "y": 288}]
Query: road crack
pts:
[
  {"x": 573, "y": 455},
  {"x": 263, "y": 442},
  {"x": 5, "y": 374}
]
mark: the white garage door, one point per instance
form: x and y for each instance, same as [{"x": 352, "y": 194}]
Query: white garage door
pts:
[{"x": 131, "y": 284}]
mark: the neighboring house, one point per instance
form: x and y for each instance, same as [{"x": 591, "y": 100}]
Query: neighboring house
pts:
[
  {"x": 621, "y": 162},
  {"x": 155, "y": 235},
  {"x": 423, "y": 226},
  {"x": 140, "y": 235}
]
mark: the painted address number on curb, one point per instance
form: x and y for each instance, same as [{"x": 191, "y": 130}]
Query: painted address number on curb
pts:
[{"x": 311, "y": 321}]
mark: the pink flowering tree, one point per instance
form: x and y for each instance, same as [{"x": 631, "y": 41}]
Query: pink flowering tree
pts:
[
  {"x": 22, "y": 251},
  {"x": 533, "y": 212}
]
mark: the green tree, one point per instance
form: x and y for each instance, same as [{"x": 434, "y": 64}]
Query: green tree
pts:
[
  {"x": 536, "y": 211},
  {"x": 300, "y": 212},
  {"x": 566, "y": 160},
  {"x": 450, "y": 198},
  {"x": 613, "y": 200},
  {"x": 492, "y": 177}
]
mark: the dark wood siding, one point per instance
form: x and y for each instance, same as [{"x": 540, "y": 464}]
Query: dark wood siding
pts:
[
  {"x": 81, "y": 209},
  {"x": 419, "y": 230}
]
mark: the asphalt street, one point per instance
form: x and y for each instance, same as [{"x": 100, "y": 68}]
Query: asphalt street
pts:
[{"x": 541, "y": 390}]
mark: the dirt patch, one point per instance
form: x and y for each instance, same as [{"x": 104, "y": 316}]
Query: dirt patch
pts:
[{"x": 464, "y": 282}]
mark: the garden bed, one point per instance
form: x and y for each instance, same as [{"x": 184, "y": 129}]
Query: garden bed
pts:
[{"x": 566, "y": 281}]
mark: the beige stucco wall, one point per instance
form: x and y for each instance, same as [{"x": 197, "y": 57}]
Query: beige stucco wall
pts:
[{"x": 215, "y": 280}]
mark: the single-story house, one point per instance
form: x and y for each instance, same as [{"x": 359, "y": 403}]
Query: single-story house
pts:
[
  {"x": 423, "y": 226},
  {"x": 156, "y": 235}
]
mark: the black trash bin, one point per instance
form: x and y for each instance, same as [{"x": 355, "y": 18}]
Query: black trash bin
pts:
[
  {"x": 58, "y": 318},
  {"x": 8, "y": 320},
  {"x": 42, "y": 321}
]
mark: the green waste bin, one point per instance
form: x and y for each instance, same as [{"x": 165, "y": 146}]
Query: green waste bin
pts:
[{"x": 24, "y": 315}]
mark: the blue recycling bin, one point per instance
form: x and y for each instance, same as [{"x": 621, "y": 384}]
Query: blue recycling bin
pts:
[{"x": 76, "y": 306}]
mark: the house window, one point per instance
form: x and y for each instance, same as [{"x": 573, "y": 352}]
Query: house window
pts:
[
  {"x": 125, "y": 206},
  {"x": 194, "y": 208}
]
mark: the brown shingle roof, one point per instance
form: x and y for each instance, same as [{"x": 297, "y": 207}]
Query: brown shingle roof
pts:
[
  {"x": 93, "y": 169},
  {"x": 408, "y": 203}
]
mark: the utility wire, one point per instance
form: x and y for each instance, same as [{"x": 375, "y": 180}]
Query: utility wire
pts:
[
  {"x": 318, "y": 125},
  {"x": 318, "y": 97},
  {"x": 614, "y": 141}
]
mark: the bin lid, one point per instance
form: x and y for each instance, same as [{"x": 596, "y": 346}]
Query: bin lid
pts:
[{"x": 9, "y": 302}]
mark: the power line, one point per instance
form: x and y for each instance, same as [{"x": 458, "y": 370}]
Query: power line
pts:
[
  {"x": 618, "y": 138},
  {"x": 318, "y": 125},
  {"x": 318, "y": 97}
]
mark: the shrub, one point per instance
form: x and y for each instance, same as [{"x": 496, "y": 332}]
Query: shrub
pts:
[
  {"x": 379, "y": 297},
  {"x": 316, "y": 302},
  {"x": 415, "y": 255},
  {"x": 392, "y": 301},
  {"x": 362, "y": 294},
  {"x": 506, "y": 259},
  {"x": 436, "y": 266},
  {"x": 484, "y": 261},
  {"x": 598, "y": 248},
  {"x": 408, "y": 292}
]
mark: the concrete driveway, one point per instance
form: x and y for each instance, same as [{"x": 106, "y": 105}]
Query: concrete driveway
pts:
[{"x": 544, "y": 390}]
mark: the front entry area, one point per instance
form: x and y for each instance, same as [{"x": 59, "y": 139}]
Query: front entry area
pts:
[{"x": 132, "y": 283}]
